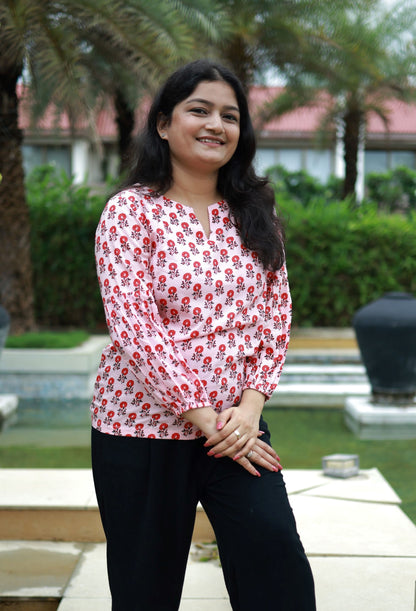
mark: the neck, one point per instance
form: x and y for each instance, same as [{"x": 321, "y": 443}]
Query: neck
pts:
[{"x": 188, "y": 188}]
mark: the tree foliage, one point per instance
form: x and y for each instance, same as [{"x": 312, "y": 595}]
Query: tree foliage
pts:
[
  {"x": 71, "y": 52},
  {"x": 361, "y": 54}
]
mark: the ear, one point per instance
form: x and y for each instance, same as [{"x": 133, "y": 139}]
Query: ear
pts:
[{"x": 162, "y": 124}]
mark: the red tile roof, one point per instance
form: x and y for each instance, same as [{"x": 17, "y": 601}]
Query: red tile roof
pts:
[{"x": 302, "y": 122}]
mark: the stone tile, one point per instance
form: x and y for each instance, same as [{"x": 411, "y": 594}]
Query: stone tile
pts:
[
  {"x": 331, "y": 526},
  {"x": 364, "y": 584},
  {"x": 368, "y": 485},
  {"x": 38, "y": 569},
  {"x": 212, "y": 604},
  {"x": 90, "y": 576},
  {"x": 64, "y": 488},
  {"x": 85, "y": 604},
  {"x": 204, "y": 580},
  {"x": 300, "y": 480}
]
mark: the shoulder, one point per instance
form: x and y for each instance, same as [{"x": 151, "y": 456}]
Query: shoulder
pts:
[
  {"x": 131, "y": 202},
  {"x": 130, "y": 197}
]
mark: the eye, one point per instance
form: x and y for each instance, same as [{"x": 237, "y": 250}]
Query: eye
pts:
[
  {"x": 231, "y": 117},
  {"x": 199, "y": 111}
]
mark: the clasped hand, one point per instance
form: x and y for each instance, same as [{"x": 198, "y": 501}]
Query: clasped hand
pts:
[{"x": 238, "y": 437}]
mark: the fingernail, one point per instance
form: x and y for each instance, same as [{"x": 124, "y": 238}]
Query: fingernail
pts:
[
  {"x": 258, "y": 474},
  {"x": 237, "y": 457},
  {"x": 261, "y": 432},
  {"x": 210, "y": 453},
  {"x": 217, "y": 455},
  {"x": 206, "y": 444},
  {"x": 220, "y": 426}
]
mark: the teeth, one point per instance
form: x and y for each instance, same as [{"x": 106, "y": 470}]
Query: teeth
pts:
[{"x": 210, "y": 140}]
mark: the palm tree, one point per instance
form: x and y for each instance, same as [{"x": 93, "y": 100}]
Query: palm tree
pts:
[
  {"x": 168, "y": 33},
  {"x": 361, "y": 55},
  {"x": 61, "y": 46}
]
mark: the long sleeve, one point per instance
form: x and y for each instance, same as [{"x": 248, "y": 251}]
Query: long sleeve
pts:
[
  {"x": 263, "y": 369},
  {"x": 123, "y": 254}
]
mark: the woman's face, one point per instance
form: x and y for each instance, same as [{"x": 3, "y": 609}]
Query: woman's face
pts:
[{"x": 204, "y": 129}]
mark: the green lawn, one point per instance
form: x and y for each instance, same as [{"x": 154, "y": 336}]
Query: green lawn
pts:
[
  {"x": 47, "y": 339},
  {"x": 301, "y": 438}
]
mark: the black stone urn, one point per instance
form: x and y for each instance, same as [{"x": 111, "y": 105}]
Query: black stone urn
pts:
[
  {"x": 4, "y": 326},
  {"x": 386, "y": 335}
]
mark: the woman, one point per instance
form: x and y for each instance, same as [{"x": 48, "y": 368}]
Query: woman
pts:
[{"x": 190, "y": 262}]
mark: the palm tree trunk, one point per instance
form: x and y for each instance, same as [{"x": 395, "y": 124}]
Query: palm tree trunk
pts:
[
  {"x": 352, "y": 127},
  {"x": 125, "y": 125},
  {"x": 240, "y": 58},
  {"x": 16, "y": 288}
]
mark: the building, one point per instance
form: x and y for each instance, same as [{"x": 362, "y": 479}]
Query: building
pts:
[{"x": 91, "y": 154}]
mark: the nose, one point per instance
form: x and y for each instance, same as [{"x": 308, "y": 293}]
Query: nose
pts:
[{"x": 214, "y": 122}]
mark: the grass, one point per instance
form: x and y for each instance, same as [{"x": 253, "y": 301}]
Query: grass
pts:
[
  {"x": 301, "y": 437},
  {"x": 47, "y": 339},
  {"x": 35, "y": 457}
]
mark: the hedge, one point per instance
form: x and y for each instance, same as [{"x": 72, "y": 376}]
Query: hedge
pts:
[
  {"x": 64, "y": 217},
  {"x": 339, "y": 257}
]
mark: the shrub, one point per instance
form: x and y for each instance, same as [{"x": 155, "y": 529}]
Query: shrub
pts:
[
  {"x": 341, "y": 257},
  {"x": 64, "y": 217},
  {"x": 301, "y": 186},
  {"x": 394, "y": 190}
]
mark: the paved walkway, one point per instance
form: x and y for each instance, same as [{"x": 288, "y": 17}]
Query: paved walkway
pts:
[{"x": 361, "y": 546}]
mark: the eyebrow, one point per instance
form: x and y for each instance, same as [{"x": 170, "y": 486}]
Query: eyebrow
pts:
[{"x": 208, "y": 103}]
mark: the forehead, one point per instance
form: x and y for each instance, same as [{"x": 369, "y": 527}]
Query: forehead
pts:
[{"x": 216, "y": 92}]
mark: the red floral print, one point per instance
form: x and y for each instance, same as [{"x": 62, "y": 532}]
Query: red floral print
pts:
[{"x": 193, "y": 320}]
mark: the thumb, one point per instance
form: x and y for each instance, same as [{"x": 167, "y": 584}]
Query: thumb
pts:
[{"x": 222, "y": 419}]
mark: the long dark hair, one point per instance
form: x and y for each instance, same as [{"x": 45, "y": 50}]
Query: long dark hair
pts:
[{"x": 250, "y": 197}]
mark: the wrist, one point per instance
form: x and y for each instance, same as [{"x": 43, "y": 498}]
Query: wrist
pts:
[
  {"x": 252, "y": 399},
  {"x": 204, "y": 418}
]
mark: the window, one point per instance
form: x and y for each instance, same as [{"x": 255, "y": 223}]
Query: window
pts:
[
  {"x": 58, "y": 155},
  {"x": 291, "y": 159},
  {"x": 316, "y": 162},
  {"x": 406, "y": 158},
  {"x": 381, "y": 161},
  {"x": 319, "y": 164},
  {"x": 265, "y": 158}
]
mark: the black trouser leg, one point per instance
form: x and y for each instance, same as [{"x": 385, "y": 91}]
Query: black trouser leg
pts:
[
  {"x": 263, "y": 560},
  {"x": 146, "y": 491}
]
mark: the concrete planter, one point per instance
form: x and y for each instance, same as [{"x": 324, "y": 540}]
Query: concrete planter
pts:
[{"x": 52, "y": 374}]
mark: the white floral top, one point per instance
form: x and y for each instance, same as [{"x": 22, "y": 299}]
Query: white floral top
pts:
[{"x": 193, "y": 320}]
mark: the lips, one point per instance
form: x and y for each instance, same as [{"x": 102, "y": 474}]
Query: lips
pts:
[{"x": 208, "y": 140}]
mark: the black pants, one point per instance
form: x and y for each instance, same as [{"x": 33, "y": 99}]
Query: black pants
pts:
[{"x": 148, "y": 490}]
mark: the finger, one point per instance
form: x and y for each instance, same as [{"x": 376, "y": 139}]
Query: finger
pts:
[
  {"x": 229, "y": 446},
  {"x": 216, "y": 438},
  {"x": 265, "y": 460},
  {"x": 223, "y": 418},
  {"x": 267, "y": 448},
  {"x": 265, "y": 463},
  {"x": 248, "y": 466}
]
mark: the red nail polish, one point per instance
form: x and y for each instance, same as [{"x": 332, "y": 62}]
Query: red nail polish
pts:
[
  {"x": 220, "y": 426},
  {"x": 210, "y": 453},
  {"x": 217, "y": 455},
  {"x": 237, "y": 457},
  {"x": 258, "y": 474}
]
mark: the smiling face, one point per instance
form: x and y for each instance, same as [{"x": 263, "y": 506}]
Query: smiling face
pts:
[{"x": 204, "y": 128}]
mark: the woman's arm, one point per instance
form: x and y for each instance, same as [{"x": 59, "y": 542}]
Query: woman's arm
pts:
[{"x": 123, "y": 251}]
